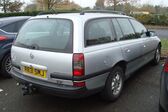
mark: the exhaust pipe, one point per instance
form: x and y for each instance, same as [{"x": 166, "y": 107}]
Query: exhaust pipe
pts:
[{"x": 28, "y": 89}]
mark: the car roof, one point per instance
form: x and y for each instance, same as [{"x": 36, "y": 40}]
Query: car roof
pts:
[
  {"x": 8, "y": 20},
  {"x": 84, "y": 17}
]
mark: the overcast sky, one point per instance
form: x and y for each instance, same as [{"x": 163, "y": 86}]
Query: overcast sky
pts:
[{"x": 91, "y": 3}]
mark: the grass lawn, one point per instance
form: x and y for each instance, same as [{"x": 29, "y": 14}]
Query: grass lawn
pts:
[{"x": 164, "y": 47}]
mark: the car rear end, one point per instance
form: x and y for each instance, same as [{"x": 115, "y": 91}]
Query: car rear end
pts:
[
  {"x": 9, "y": 27},
  {"x": 164, "y": 88},
  {"x": 43, "y": 57},
  {"x": 6, "y": 41}
]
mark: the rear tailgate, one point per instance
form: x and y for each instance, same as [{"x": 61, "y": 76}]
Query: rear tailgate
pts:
[
  {"x": 43, "y": 49},
  {"x": 59, "y": 64}
]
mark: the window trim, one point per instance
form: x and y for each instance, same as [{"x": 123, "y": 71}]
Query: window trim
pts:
[{"x": 100, "y": 18}]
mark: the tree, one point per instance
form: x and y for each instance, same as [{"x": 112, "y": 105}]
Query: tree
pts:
[
  {"x": 48, "y": 4},
  {"x": 67, "y": 5},
  {"x": 30, "y": 8},
  {"x": 4, "y": 4},
  {"x": 10, "y": 5},
  {"x": 100, "y": 4},
  {"x": 114, "y": 3},
  {"x": 15, "y": 6}
]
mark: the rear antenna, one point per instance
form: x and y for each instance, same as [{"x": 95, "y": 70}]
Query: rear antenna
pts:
[{"x": 51, "y": 11}]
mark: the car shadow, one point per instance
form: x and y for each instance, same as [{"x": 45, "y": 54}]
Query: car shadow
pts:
[{"x": 2, "y": 78}]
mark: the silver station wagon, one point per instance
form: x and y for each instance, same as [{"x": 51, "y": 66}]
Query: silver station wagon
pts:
[{"x": 78, "y": 54}]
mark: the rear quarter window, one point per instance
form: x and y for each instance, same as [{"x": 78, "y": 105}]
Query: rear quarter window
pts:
[
  {"x": 98, "y": 31},
  {"x": 13, "y": 27},
  {"x": 126, "y": 28},
  {"x": 10, "y": 27}
]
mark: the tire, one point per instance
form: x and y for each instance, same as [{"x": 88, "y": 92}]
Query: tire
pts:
[
  {"x": 114, "y": 85},
  {"x": 161, "y": 109},
  {"x": 6, "y": 66},
  {"x": 157, "y": 56}
]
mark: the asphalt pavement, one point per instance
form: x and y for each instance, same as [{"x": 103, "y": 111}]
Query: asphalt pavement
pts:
[
  {"x": 140, "y": 94},
  {"x": 162, "y": 33}
]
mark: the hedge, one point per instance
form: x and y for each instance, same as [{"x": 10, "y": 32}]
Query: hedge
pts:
[
  {"x": 153, "y": 19},
  {"x": 148, "y": 19},
  {"x": 18, "y": 14},
  {"x": 34, "y": 13}
]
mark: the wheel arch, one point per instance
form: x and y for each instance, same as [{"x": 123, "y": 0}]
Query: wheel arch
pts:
[
  {"x": 123, "y": 65},
  {"x": 160, "y": 45},
  {"x": 6, "y": 53}
]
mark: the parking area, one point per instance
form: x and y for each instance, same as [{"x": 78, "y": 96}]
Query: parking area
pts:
[
  {"x": 162, "y": 33},
  {"x": 140, "y": 94}
]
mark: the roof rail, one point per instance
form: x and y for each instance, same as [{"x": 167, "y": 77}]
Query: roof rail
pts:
[
  {"x": 102, "y": 11},
  {"x": 48, "y": 12}
]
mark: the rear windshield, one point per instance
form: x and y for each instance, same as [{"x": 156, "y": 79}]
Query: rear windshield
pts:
[{"x": 46, "y": 34}]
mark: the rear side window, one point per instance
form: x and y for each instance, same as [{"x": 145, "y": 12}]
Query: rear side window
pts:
[
  {"x": 20, "y": 24},
  {"x": 140, "y": 30},
  {"x": 14, "y": 27},
  {"x": 98, "y": 32},
  {"x": 126, "y": 28},
  {"x": 46, "y": 34},
  {"x": 10, "y": 28}
]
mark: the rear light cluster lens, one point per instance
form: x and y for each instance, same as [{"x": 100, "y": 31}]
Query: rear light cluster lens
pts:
[
  {"x": 78, "y": 64},
  {"x": 166, "y": 67},
  {"x": 3, "y": 38},
  {"x": 78, "y": 68}
]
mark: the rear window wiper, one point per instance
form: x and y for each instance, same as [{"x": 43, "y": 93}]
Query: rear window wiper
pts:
[{"x": 33, "y": 46}]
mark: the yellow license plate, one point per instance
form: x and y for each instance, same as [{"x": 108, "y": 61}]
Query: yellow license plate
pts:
[{"x": 35, "y": 72}]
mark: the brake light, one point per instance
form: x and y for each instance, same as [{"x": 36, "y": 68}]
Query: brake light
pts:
[
  {"x": 166, "y": 67},
  {"x": 78, "y": 64},
  {"x": 3, "y": 38}
]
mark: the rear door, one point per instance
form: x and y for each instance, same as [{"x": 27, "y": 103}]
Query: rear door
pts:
[
  {"x": 129, "y": 43},
  {"x": 44, "y": 47},
  {"x": 101, "y": 49}
]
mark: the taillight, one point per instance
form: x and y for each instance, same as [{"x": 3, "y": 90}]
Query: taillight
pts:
[
  {"x": 78, "y": 64},
  {"x": 166, "y": 67},
  {"x": 3, "y": 38},
  {"x": 78, "y": 69}
]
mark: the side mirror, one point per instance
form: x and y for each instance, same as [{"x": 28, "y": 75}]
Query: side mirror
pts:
[{"x": 150, "y": 33}]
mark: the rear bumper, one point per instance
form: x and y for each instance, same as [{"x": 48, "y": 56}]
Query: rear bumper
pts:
[
  {"x": 52, "y": 88},
  {"x": 164, "y": 91}
]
